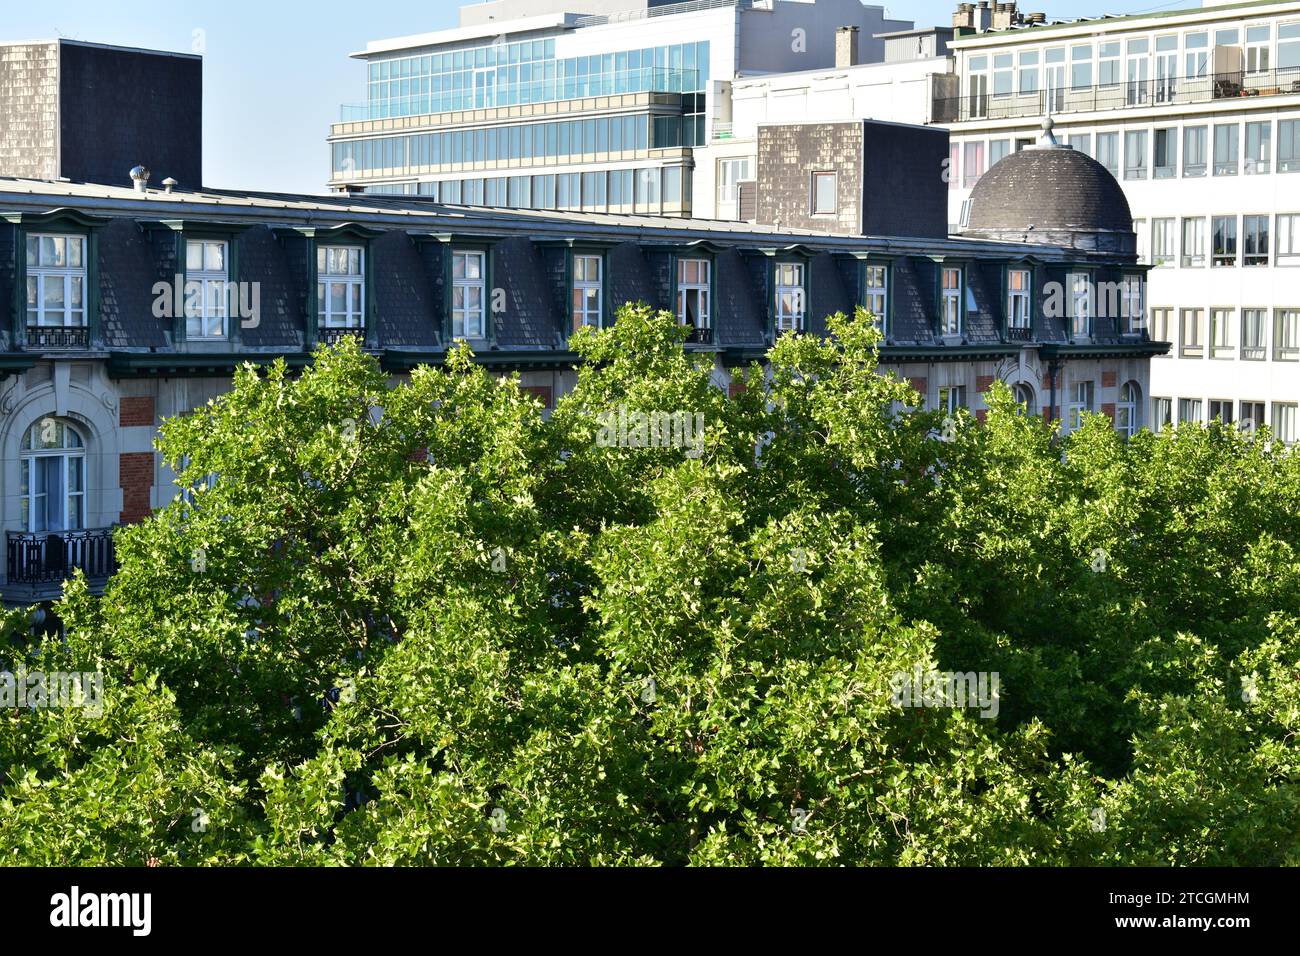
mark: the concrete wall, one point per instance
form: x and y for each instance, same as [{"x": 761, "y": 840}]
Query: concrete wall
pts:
[
  {"x": 788, "y": 36},
  {"x": 29, "y": 124},
  {"x": 894, "y": 92}
]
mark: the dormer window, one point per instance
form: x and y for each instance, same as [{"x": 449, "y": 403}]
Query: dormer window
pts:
[
  {"x": 468, "y": 295},
  {"x": 1080, "y": 304},
  {"x": 950, "y": 304},
  {"x": 693, "y": 300},
  {"x": 207, "y": 289},
  {"x": 876, "y": 294},
  {"x": 789, "y": 296},
  {"x": 340, "y": 287},
  {"x": 586, "y": 291},
  {"x": 1019, "y": 285},
  {"x": 56, "y": 289}
]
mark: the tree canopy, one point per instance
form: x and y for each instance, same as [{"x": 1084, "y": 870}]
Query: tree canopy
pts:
[{"x": 427, "y": 623}]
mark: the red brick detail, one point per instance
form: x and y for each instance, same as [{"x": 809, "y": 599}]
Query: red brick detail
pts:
[
  {"x": 1109, "y": 379},
  {"x": 1108, "y": 409},
  {"x": 983, "y": 383},
  {"x": 1047, "y": 380},
  {"x": 419, "y": 455},
  {"x": 540, "y": 392},
  {"x": 981, "y": 414},
  {"x": 137, "y": 411},
  {"x": 921, "y": 384},
  {"x": 1048, "y": 416},
  {"x": 736, "y": 388},
  {"x": 135, "y": 477}
]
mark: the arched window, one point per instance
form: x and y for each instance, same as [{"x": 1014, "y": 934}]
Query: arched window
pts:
[
  {"x": 53, "y": 491},
  {"x": 1024, "y": 394},
  {"x": 1128, "y": 411}
]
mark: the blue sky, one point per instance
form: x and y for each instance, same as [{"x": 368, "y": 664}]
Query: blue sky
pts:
[{"x": 275, "y": 71}]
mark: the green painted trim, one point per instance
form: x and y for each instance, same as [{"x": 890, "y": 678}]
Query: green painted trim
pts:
[
  {"x": 194, "y": 365},
  {"x": 66, "y": 222},
  {"x": 946, "y": 353},
  {"x": 12, "y": 363},
  {"x": 1105, "y": 350},
  {"x": 395, "y": 360},
  {"x": 64, "y": 217}
]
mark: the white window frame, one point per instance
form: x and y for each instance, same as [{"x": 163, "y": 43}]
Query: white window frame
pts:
[
  {"x": 1190, "y": 411},
  {"x": 1287, "y": 242},
  {"x": 1164, "y": 241},
  {"x": 876, "y": 292},
  {"x": 1193, "y": 244},
  {"x": 1286, "y": 335},
  {"x": 1254, "y": 335},
  {"x": 1223, "y": 344},
  {"x": 791, "y": 309},
  {"x": 202, "y": 321},
  {"x": 1128, "y": 410},
  {"x": 1191, "y": 335},
  {"x": 587, "y": 309},
  {"x": 1082, "y": 397},
  {"x": 1020, "y": 297},
  {"x": 1284, "y": 422},
  {"x": 1132, "y": 303},
  {"x": 1080, "y": 304},
  {"x": 951, "y": 299},
  {"x": 699, "y": 290},
  {"x": 814, "y": 196},
  {"x": 41, "y": 275},
  {"x": 352, "y": 279},
  {"x": 468, "y": 321},
  {"x": 72, "y": 460}
]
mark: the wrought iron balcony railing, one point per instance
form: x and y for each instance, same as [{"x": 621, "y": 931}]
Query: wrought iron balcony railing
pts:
[
  {"x": 332, "y": 336},
  {"x": 37, "y": 558},
  {"x": 57, "y": 337},
  {"x": 1168, "y": 91}
]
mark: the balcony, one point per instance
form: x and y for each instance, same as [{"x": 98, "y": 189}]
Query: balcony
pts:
[
  {"x": 39, "y": 562},
  {"x": 57, "y": 338},
  {"x": 1178, "y": 91},
  {"x": 333, "y": 336}
]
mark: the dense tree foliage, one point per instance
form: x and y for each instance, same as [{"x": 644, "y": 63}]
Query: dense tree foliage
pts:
[{"x": 427, "y": 624}]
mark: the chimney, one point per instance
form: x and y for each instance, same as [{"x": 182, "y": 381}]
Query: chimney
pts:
[
  {"x": 846, "y": 47},
  {"x": 964, "y": 17},
  {"x": 983, "y": 18},
  {"x": 1037, "y": 18},
  {"x": 140, "y": 177},
  {"x": 1006, "y": 16}
]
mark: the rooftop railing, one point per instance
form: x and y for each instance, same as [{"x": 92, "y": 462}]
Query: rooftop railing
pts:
[
  {"x": 667, "y": 10},
  {"x": 1169, "y": 91}
]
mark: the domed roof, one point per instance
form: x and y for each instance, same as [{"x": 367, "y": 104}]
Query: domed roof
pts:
[{"x": 1048, "y": 188}]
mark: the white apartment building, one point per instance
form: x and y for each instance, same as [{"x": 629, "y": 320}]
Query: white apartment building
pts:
[
  {"x": 899, "y": 89},
  {"x": 1197, "y": 113}
]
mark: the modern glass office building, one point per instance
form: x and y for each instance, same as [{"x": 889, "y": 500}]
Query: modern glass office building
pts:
[{"x": 529, "y": 105}]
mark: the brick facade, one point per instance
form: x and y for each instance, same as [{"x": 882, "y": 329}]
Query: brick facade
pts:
[
  {"x": 137, "y": 411},
  {"x": 135, "y": 471}
]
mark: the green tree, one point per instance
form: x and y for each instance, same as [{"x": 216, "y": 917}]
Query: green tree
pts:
[{"x": 432, "y": 624}]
